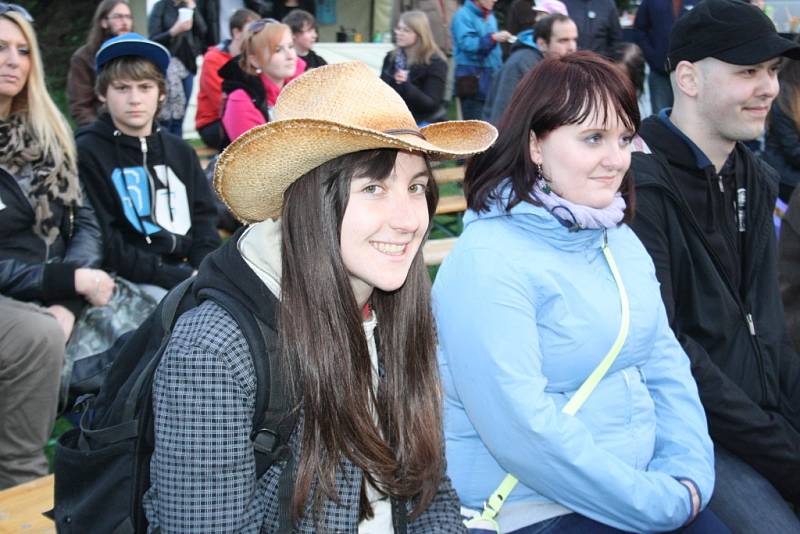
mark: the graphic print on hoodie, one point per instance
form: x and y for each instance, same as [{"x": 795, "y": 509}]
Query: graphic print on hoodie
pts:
[
  {"x": 153, "y": 202},
  {"x": 171, "y": 206}
]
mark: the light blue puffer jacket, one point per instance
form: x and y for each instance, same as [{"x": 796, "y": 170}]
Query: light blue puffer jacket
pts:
[{"x": 526, "y": 310}]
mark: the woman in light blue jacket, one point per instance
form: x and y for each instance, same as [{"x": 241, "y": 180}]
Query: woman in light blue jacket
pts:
[{"x": 528, "y": 304}]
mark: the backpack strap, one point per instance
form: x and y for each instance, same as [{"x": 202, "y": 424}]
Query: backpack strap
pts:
[
  {"x": 170, "y": 308},
  {"x": 171, "y": 304},
  {"x": 274, "y": 417}
]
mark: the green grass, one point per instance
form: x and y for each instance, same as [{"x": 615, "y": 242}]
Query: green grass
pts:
[{"x": 61, "y": 426}]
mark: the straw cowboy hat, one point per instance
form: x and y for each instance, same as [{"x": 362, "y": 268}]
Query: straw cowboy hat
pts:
[{"x": 323, "y": 114}]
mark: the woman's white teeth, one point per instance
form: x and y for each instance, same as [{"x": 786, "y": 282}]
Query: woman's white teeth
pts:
[{"x": 388, "y": 248}]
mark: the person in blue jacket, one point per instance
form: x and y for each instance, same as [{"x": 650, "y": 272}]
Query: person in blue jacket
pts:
[
  {"x": 527, "y": 306},
  {"x": 476, "y": 53}
]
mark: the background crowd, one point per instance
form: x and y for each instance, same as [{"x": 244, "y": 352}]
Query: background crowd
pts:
[{"x": 667, "y": 228}]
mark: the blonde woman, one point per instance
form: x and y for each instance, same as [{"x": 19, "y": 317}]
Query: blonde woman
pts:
[
  {"x": 417, "y": 69},
  {"x": 49, "y": 244},
  {"x": 252, "y": 81}
]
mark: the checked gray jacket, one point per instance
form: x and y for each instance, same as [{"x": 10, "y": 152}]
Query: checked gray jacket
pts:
[{"x": 202, "y": 470}]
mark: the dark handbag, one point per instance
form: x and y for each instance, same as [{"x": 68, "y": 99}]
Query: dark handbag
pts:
[{"x": 467, "y": 86}]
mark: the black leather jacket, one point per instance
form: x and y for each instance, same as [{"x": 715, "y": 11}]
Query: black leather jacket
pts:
[{"x": 30, "y": 270}]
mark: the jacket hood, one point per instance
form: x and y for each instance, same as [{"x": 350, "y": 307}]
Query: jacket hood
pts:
[
  {"x": 525, "y": 39},
  {"x": 260, "y": 246},
  {"x": 538, "y": 220},
  {"x": 233, "y": 78},
  {"x": 226, "y": 270},
  {"x": 103, "y": 128},
  {"x": 663, "y": 136}
]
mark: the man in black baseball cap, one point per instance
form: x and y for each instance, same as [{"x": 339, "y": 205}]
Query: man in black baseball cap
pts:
[
  {"x": 731, "y": 31},
  {"x": 704, "y": 212}
]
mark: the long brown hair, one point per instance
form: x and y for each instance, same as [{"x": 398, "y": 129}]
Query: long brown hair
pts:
[
  {"x": 559, "y": 91},
  {"x": 788, "y": 99},
  {"x": 326, "y": 357},
  {"x": 98, "y": 34},
  {"x": 425, "y": 48}
]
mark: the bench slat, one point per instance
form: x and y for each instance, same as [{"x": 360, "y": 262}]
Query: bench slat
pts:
[
  {"x": 448, "y": 175},
  {"x": 451, "y": 204},
  {"x": 21, "y": 507},
  {"x": 436, "y": 250}
]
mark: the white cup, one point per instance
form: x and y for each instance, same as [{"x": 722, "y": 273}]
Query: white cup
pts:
[{"x": 185, "y": 13}]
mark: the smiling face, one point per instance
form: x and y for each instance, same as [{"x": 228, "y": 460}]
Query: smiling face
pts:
[
  {"x": 383, "y": 226},
  {"x": 733, "y": 100},
  {"x": 132, "y": 105},
  {"x": 280, "y": 63},
  {"x": 15, "y": 62},
  {"x": 585, "y": 162}
]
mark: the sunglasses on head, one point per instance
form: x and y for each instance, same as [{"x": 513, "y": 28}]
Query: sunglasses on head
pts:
[
  {"x": 5, "y": 8},
  {"x": 259, "y": 25}
]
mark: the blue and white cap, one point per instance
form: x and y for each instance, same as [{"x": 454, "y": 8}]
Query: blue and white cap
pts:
[{"x": 132, "y": 44}]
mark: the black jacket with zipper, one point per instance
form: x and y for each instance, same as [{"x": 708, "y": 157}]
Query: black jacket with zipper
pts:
[
  {"x": 32, "y": 270},
  {"x": 747, "y": 372},
  {"x": 160, "y": 257}
]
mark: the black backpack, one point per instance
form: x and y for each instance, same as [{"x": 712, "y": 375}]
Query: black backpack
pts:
[{"x": 102, "y": 467}]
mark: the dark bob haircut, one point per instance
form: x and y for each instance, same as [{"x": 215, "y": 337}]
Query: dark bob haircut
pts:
[{"x": 557, "y": 92}]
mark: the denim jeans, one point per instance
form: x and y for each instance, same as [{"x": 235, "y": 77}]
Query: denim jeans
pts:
[
  {"x": 705, "y": 523},
  {"x": 472, "y": 109},
  {"x": 746, "y": 501},
  {"x": 660, "y": 90}
]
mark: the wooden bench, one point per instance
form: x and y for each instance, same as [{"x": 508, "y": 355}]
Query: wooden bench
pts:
[
  {"x": 448, "y": 175},
  {"x": 451, "y": 204},
  {"x": 436, "y": 250},
  {"x": 21, "y": 507}
]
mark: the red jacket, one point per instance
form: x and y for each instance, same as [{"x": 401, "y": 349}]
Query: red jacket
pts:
[{"x": 209, "y": 98}]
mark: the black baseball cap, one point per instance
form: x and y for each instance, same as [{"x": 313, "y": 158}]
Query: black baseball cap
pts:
[{"x": 732, "y": 31}]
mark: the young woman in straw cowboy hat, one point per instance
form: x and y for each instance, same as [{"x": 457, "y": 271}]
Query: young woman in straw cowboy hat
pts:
[{"x": 339, "y": 197}]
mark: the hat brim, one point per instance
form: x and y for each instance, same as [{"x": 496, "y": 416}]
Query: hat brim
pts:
[
  {"x": 254, "y": 171},
  {"x": 150, "y": 50},
  {"x": 754, "y": 52}
]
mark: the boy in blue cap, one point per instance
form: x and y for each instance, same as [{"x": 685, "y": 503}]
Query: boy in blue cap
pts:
[{"x": 152, "y": 199}]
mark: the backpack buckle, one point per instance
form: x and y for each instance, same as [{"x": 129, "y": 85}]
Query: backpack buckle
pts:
[
  {"x": 264, "y": 440},
  {"x": 267, "y": 442}
]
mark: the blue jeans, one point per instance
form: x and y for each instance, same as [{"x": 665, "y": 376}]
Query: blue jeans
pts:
[
  {"x": 472, "y": 109},
  {"x": 660, "y": 90},
  {"x": 746, "y": 500},
  {"x": 175, "y": 126},
  {"x": 705, "y": 523}
]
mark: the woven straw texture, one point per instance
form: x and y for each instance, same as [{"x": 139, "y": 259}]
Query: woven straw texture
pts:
[{"x": 323, "y": 114}]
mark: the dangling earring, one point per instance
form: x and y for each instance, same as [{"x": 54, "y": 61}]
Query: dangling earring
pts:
[
  {"x": 258, "y": 70},
  {"x": 542, "y": 180}
]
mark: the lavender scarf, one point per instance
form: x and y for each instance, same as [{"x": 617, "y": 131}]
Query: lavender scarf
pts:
[{"x": 576, "y": 216}]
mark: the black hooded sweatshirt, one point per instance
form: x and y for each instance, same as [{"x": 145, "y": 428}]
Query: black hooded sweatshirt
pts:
[
  {"x": 153, "y": 202},
  {"x": 747, "y": 372}
]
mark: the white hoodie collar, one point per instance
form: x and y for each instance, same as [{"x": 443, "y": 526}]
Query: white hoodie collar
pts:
[{"x": 260, "y": 246}]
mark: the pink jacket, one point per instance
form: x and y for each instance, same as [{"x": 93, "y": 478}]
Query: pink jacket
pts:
[{"x": 240, "y": 112}]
